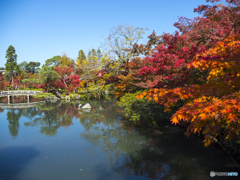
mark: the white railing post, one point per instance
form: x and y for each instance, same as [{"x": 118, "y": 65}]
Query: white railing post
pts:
[{"x": 19, "y": 92}]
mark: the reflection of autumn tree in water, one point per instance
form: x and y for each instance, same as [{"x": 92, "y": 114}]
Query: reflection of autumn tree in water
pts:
[
  {"x": 47, "y": 121},
  {"x": 101, "y": 128},
  {"x": 101, "y": 111},
  {"x": 170, "y": 149},
  {"x": 132, "y": 148},
  {"x": 52, "y": 118},
  {"x": 1, "y": 110},
  {"x": 13, "y": 116},
  {"x": 4, "y": 99},
  {"x": 67, "y": 113},
  {"x": 111, "y": 137},
  {"x": 20, "y": 99},
  {"x": 54, "y": 115},
  {"x": 136, "y": 148},
  {"x": 13, "y": 120},
  {"x": 29, "y": 112},
  {"x": 120, "y": 142}
]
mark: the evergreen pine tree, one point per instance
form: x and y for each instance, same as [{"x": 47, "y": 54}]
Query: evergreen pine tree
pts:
[
  {"x": 99, "y": 54},
  {"x": 11, "y": 64},
  {"x": 89, "y": 55},
  {"x": 94, "y": 52}
]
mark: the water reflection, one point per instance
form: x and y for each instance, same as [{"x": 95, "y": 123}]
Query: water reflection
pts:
[
  {"x": 135, "y": 150},
  {"x": 19, "y": 99},
  {"x": 54, "y": 115},
  {"x": 13, "y": 120},
  {"x": 132, "y": 150},
  {"x": 13, "y": 116},
  {"x": 128, "y": 150},
  {"x": 13, "y": 160}
]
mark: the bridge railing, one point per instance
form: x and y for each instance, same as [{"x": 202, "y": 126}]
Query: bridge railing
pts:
[{"x": 19, "y": 92}]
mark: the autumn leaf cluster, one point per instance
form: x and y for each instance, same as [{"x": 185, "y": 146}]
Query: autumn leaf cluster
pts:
[{"x": 199, "y": 66}]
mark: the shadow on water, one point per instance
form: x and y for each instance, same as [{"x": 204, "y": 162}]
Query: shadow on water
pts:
[
  {"x": 104, "y": 172},
  {"x": 14, "y": 159}
]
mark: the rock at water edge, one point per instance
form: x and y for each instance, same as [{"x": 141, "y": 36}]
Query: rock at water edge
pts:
[{"x": 86, "y": 106}]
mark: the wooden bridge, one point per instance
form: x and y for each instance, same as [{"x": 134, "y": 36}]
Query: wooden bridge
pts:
[
  {"x": 19, "y": 105},
  {"x": 19, "y": 93}
]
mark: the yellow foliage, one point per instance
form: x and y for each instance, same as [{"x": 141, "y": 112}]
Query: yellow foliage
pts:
[
  {"x": 65, "y": 61},
  {"x": 81, "y": 63}
]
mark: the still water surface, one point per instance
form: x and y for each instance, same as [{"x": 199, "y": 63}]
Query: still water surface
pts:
[{"x": 58, "y": 141}]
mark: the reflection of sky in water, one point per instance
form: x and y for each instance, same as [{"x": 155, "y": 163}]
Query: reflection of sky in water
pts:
[{"x": 54, "y": 141}]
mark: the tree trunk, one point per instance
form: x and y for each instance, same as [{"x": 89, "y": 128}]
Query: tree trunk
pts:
[
  {"x": 64, "y": 82},
  {"x": 12, "y": 81},
  {"x": 56, "y": 91}
]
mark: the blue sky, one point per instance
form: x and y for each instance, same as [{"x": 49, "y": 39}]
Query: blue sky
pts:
[{"x": 41, "y": 29}]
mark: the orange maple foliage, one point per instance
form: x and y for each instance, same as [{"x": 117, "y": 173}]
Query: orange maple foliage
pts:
[
  {"x": 124, "y": 86},
  {"x": 126, "y": 82},
  {"x": 212, "y": 108}
]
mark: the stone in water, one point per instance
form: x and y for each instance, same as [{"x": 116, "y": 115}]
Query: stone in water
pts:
[{"x": 86, "y": 106}]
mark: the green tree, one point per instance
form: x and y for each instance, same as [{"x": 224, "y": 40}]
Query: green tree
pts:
[
  {"x": 23, "y": 66},
  {"x": 32, "y": 67},
  {"x": 89, "y": 55},
  {"x": 11, "y": 64},
  {"x": 2, "y": 68},
  {"x": 54, "y": 61},
  {"x": 99, "y": 54},
  {"x": 48, "y": 122},
  {"x": 7, "y": 76},
  {"x": 13, "y": 119},
  {"x": 47, "y": 76},
  {"x": 92, "y": 56},
  {"x": 92, "y": 66},
  {"x": 94, "y": 52}
]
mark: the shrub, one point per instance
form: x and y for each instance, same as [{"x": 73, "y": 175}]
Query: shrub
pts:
[
  {"x": 83, "y": 96},
  {"x": 44, "y": 95},
  {"x": 138, "y": 109}
]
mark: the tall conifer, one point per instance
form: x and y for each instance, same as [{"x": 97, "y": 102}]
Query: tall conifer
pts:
[{"x": 11, "y": 64}]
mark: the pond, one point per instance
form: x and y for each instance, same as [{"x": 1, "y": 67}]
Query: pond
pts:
[{"x": 58, "y": 141}]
